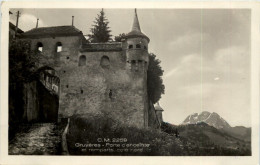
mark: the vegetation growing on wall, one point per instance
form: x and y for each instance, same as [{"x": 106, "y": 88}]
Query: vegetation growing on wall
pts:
[
  {"x": 120, "y": 37},
  {"x": 21, "y": 61}
]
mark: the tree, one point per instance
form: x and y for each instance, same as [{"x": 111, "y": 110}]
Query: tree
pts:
[
  {"x": 22, "y": 66},
  {"x": 155, "y": 87},
  {"x": 22, "y": 61},
  {"x": 100, "y": 31},
  {"x": 119, "y": 37}
]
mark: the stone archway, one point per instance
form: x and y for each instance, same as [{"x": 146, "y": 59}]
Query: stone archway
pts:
[{"x": 48, "y": 88}]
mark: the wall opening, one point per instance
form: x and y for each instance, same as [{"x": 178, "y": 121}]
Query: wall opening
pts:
[
  {"x": 81, "y": 91},
  {"x": 110, "y": 94},
  {"x": 105, "y": 63},
  {"x": 39, "y": 46},
  {"x": 58, "y": 47},
  {"x": 130, "y": 47},
  {"x": 145, "y": 47},
  {"x": 138, "y": 46},
  {"x": 82, "y": 60}
]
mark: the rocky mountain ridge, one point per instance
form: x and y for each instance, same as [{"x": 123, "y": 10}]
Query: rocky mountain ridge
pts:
[{"x": 212, "y": 119}]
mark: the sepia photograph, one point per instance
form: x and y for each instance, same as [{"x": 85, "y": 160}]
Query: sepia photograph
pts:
[{"x": 129, "y": 82}]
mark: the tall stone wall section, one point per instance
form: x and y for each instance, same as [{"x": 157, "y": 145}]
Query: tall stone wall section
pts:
[{"x": 113, "y": 90}]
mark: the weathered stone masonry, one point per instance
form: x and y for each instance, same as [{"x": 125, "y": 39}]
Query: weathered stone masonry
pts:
[{"x": 97, "y": 77}]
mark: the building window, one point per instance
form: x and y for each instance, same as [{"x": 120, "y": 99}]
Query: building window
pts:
[
  {"x": 39, "y": 46},
  {"x": 138, "y": 46},
  {"x": 145, "y": 47},
  {"x": 105, "y": 63},
  {"x": 82, "y": 60},
  {"x": 130, "y": 47},
  {"x": 58, "y": 47}
]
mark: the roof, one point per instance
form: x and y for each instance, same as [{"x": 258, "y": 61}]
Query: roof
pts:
[
  {"x": 136, "y": 30},
  {"x": 52, "y": 31},
  {"x": 158, "y": 107},
  {"x": 12, "y": 26}
]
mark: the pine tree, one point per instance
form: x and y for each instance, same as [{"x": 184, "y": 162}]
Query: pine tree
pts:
[{"x": 100, "y": 31}]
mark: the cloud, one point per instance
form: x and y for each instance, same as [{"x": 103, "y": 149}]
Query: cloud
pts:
[
  {"x": 28, "y": 21},
  {"x": 171, "y": 72}
]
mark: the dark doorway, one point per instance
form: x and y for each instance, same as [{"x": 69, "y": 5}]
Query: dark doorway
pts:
[
  {"x": 48, "y": 104},
  {"x": 48, "y": 93}
]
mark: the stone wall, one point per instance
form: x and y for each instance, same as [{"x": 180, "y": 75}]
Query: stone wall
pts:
[
  {"x": 113, "y": 89},
  {"x": 89, "y": 87},
  {"x": 31, "y": 102},
  {"x": 40, "y": 104}
]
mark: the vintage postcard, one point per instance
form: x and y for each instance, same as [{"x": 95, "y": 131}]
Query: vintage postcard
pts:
[{"x": 142, "y": 83}]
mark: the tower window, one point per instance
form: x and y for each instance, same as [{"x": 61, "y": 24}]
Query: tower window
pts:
[
  {"x": 138, "y": 46},
  {"x": 130, "y": 47},
  {"x": 82, "y": 60},
  {"x": 39, "y": 46},
  {"x": 145, "y": 47},
  {"x": 81, "y": 91},
  {"x": 58, "y": 47}
]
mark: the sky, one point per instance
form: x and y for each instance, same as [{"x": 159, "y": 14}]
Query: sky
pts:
[{"x": 205, "y": 54}]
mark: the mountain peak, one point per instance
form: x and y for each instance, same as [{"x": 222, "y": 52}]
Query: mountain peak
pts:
[{"x": 212, "y": 119}]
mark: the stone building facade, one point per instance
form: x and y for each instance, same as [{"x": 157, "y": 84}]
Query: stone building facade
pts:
[{"x": 96, "y": 77}]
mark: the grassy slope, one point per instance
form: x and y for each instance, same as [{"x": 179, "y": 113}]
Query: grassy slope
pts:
[
  {"x": 88, "y": 130},
  {"x": 208, "y": 140}
]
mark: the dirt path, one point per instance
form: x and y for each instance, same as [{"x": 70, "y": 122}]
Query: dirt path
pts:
[{"x": 40, "y": 139}]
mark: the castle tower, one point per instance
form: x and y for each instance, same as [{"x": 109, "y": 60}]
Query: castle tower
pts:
[
  {"x": 137, "y": 48},
  {"x": 158, "y": 111},
  {"x": 137, "y": 59}
]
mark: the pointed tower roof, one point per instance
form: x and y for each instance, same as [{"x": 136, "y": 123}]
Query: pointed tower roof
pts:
[
  {"x": 136, "y": 25},
  {"x": 158, "y": 107},
  {"x": 136, "y": 30}
]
